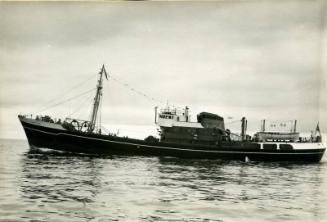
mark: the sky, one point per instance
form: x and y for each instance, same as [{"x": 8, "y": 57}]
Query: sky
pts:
[{"x": 259, "y": 59}]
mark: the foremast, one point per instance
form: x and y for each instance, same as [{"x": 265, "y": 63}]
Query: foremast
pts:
[{"x": 97, "y": 100}]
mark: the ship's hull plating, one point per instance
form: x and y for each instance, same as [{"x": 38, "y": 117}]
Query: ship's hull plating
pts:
[{"x": 60, "y": 139}]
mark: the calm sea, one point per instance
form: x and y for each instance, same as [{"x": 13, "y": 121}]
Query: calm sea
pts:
[{"x": 52, "y": 186}]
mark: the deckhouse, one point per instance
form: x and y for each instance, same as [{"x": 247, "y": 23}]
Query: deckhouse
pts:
[{"x": 176, "y": 126}]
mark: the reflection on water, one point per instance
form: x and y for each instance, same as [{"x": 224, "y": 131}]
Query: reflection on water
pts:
[
  {"x": 56, "y": 178},
  {"x": 59, "y": 184},
  {"x": 53, "y": 186},
  {"x": 277, "y": 190}
]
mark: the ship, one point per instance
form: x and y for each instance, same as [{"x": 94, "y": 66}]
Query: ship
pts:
[{"x": 178, "y": 136}]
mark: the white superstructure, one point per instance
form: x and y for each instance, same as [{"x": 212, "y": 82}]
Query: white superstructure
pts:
[
  {"x": 293, "y": 145},
  {"x": 169, "y": 117}
]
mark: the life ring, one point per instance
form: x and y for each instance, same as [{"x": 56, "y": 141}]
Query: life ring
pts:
[{"x": 76, "y": 126}]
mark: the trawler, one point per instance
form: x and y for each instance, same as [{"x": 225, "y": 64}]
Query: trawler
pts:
[{"x": 178, "y": 137}]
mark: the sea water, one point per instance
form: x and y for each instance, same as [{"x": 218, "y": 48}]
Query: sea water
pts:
[{"x": 43, "y": 185}]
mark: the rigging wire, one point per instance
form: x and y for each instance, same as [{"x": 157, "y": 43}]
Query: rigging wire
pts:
[
  {"x": 67, "y": 91},
  {"x": 149, "y": 98},
  {"x": 65, "y": 101},
  {"x": 53, "y": 102},
  {"x": 105, "y": 129},
  {"x": 80, "y": 106}
]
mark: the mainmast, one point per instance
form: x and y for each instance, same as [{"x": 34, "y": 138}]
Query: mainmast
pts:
[{"x": 97, "y": 100}]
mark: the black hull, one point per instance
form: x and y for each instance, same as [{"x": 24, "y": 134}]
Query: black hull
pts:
[{"x": 78, "y": 142}]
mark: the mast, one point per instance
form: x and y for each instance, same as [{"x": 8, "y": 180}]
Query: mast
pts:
[{"x": 97, "y": 100}]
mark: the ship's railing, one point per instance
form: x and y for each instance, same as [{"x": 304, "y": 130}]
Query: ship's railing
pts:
[
  {"x": 310, "y": 139},
  {"x": 172, "y": 110},
  {"x": 27, "y": 116},
  {"x": 44, "y": 118},
  {"x": 285, "y": 137},
  {"x": 169, "y": 111},
  {"x": 78, "y": 120}
]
